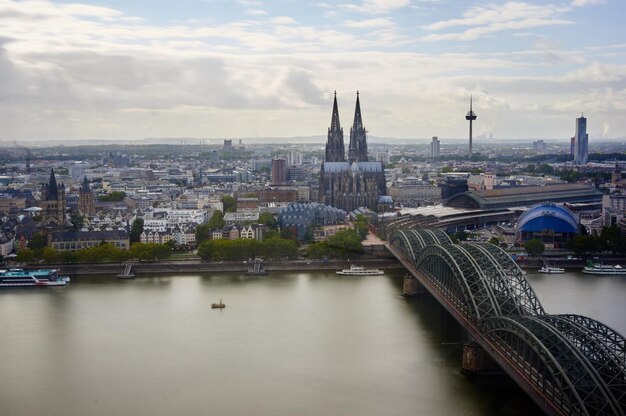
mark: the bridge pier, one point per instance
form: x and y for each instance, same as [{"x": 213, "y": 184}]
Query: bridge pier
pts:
[
  {"x": 412, "y": 286},
  {"x": 476, "y": 361}
]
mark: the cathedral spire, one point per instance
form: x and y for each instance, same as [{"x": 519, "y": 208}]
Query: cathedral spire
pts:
[
  {"x": 358, "y": 122},
  {"x": 357, "y": 150},
  {"x": 335, "y": 151},
  {"x": 84, "y": 187},
  {"x": 334, "y": 122},
  {"x": 53, "y": 189}
]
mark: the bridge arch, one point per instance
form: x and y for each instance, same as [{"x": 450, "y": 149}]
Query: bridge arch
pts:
[
  {"x": 542, "y": 349},
  {"x": 569, "y": 364}
]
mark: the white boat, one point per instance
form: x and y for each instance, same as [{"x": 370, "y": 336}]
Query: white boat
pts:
[
  {"x": 551, "y": 270},
  {"x": 22, "y": 278},
  {"x": 360, "y": 271},
  {"x": 604, "y": 269}
]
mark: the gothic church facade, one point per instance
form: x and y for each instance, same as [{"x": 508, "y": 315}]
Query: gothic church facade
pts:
[{"x": 355, "y": 182}]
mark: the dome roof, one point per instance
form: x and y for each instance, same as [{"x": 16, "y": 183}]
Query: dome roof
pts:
[{"x": 548, "y": 216}]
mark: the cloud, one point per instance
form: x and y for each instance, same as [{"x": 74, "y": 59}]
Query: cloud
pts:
[
  {"x": 583, "y": 3},
  {"x": 283, "y": 20},
  {"x": 376, "y": 6},
  {"x": 256, "y": 12},
  {"x": 484, "y": 20},
  {"x": 92, "y": 72},
  {"x": 369, "y": 23}
]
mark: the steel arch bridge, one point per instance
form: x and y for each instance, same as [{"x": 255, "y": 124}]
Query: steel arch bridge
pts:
[{"x": 568, "y": 364}]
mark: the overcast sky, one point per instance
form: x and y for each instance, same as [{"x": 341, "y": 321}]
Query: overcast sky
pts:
[{"x": 125, "y": 69}]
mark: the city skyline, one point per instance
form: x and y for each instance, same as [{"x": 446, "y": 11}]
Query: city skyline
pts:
[{"x": 210, "y": 69}]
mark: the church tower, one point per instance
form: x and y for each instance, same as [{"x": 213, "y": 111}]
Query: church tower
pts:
[
  {"x": 53, "y": 203},
  {"x": 85, "y": 199},
  {"x": 357, "y": 150},
  {"x": 335, "y": 150}
]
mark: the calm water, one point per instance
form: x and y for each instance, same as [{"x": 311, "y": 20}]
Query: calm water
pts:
[{"x": 286, "y": 344}]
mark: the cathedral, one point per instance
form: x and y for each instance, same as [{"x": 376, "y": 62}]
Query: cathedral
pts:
[{"x": 355, "y": 182}]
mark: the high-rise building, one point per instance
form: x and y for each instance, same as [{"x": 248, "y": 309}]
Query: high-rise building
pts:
[
  {"x": 355, "y": 183},
  {"x": 471, "y": 116},
  {"x": 294, "y": 158},
  {"x": 279, "y": 171},
  {"x": 540, "y": 146},
  {"x": 434, "y": 147},
  {"x": 581, "y": 147}
]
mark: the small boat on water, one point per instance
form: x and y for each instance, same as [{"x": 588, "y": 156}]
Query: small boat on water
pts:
[
  {"x": 23, "y": 278},
  {"x": 551, "y": 270},
  {"x": 220, "y": 305},
  {"x": 604, "y": 269},
  {"x": 360, "y": 271}
]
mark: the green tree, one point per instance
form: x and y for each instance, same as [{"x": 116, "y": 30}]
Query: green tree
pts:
[
  {"x": 362, "y": 226},
  {"x": 171, "y": 244},
  {"x": 202, "y": 233},
  {"x": 534, "y": 247},
  {"x": 279, "y": 248},
  {"x": 611, "y": 238},
  {"x": 268, "y": 219},
  {"x": 37, "y": 242},
  {"x": 77, "y": 220},
  {"x": 162, "y": 251},
  {"x": 50, "y": 255},
  {"x": 229, "y": 203},
  {"x": 135, "y": 230},
  {"x": 462, "y": 235},
  {"x": 586, "y": 244},
  {"x": 343, "y": 244},
  {"x": 217, "y": 220},
  {"x": 114, "y": 196},
  {"x": 25, "y": 255},
  {"x": 494, "y": 240}
]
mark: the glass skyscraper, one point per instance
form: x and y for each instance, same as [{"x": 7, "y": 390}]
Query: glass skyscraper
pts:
[{"x": 581, "y": 145}]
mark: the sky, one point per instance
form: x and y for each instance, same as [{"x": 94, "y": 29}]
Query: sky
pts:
[{"x": 133, "y": 69}]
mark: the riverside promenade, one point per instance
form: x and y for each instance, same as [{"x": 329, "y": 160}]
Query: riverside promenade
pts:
[{"x": 199, "y": 266}]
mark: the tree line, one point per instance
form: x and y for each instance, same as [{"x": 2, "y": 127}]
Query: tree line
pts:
[{"x": 103, "y": 253}]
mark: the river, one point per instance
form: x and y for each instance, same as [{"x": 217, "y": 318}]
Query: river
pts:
[{"x": 308, "y": 343}]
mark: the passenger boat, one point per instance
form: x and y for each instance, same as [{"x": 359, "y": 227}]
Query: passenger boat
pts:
[
  {"x": 359, "y": 271},
  {"x": 220, "y": 305},
  {"x": 551, "y": 270},
  {"x": 23, "y": 278},
  {"x": 603, "y": 269}
]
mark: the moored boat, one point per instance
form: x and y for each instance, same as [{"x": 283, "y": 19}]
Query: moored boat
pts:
[
  {"x": 24, "y": 278},
  {"x": 220, "y": 305},
  {"x": 604, "y": 269},
  {"x": 359, "y": 271},
  {"x": 551, "y": 270}
]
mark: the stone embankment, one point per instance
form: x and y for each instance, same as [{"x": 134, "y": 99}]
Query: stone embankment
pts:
[{"x": 198, "y": 266}]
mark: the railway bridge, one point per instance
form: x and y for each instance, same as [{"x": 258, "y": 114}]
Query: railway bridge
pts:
[{"x": 568, "y": 364}]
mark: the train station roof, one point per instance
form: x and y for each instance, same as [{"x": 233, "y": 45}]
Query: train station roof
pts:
[{"x": 525, "y": 196}]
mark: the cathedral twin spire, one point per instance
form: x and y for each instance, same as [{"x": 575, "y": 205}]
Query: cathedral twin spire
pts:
[{"x": 357, "y": 149}]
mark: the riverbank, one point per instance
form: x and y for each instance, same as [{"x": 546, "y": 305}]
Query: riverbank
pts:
[{"x": 198, "y": 266}]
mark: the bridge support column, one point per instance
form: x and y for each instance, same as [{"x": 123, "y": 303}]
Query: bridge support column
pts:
[
  {"x": 412, "y": 287},
  {"x": 476, "y": 361}
]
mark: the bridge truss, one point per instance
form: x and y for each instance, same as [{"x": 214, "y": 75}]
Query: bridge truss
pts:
[{"x": 569, "y": 364}]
